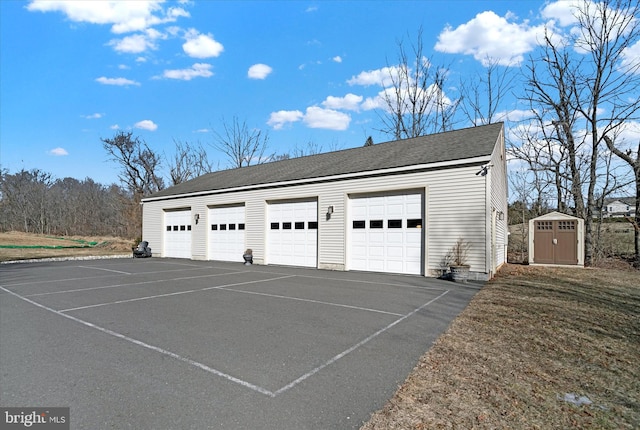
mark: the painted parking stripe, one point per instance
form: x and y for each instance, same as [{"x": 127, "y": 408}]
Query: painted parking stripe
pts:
[
  {"x": 106, "y": 270},
  {"x": 216, "y": 372},
  {"x": 177, "y": 293},
  {"x": 148, "y": 346},
  {"x": 310, "y": 301},
  {"x": 354, "y": 347},
  {"x": 53, "y": 281},
  {"x": 130, "y": 284}
]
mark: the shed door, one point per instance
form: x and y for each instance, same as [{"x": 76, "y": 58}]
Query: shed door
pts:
[
  {"x": 226, "y": 233},
  {"x": 386, "y": 233},
  {"x": 177, "y": 234},
  {"x": 293, "y": 233},
  {"x": 555, "y": 242}
]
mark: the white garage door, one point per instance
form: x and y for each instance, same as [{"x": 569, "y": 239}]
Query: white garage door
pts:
[
  {"x": 226, "y": 233},
  {"x": 293, "y": 233},
  {"x": 177, "y": 235},
  {"x": 386, "y": 233}
]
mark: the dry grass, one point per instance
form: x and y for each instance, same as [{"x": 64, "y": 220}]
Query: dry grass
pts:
[
  {"x": 105, "y": 246},
  {"x": 530, "y": 337}
]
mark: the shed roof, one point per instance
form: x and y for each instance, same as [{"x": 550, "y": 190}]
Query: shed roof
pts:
[
  {"x": 555, "y": 215},
  {"x": 435, "y": 148}
]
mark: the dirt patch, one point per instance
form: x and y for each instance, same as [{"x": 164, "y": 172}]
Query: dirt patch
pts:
[
  {"x": 25, "y": 246},
  {"x": 537, "y": 347}
]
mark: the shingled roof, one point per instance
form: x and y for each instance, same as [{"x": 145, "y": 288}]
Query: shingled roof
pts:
[{"x": 435, "y": 148}]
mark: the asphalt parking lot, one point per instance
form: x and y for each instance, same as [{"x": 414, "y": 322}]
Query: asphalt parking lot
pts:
[{"x": 179, "y": 344}]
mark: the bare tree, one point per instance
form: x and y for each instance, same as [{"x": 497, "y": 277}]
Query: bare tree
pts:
[
  {"x": 584, "y": 87},
  {"x": 483, "y": 95},
  {"x": 139, "y": 172},
  {"x": 242, "y": 146},
  {"x": 32, "y": 201},
  {"x": 25, "y": 202},
  {"x": 607, "y": 30},
  {"x": 415, "y": 102},
  {"x": 139, "y": 164},
  {"x": 189, "y": 161},
  {"x": 628, "y": 157}
]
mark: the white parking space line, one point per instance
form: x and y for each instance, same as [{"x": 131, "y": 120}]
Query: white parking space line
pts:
[
  {"x": 354, "y": 347},
  {"x": 172, "y": 294},
  {"x": 106, "y": 270},
  {"x": 131, "y": 284},
  {"x": 209, "y": 369},
  {"x": 52, "y": 281},
  {"x": 359, "y": 281},
  {"x": 311, "y": 301},
  {"x": 148, "y": 346}
]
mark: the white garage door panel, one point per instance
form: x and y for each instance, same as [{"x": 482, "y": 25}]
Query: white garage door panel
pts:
[
  {"x": 293, "y": 234},
  {"x": 177, "y": 235},
  {"x": 227, "y": 233},
  {"x": 386, "y": 233}
]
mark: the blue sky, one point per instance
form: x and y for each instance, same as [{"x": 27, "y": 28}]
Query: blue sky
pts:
[{"x": 74, "y": 72}]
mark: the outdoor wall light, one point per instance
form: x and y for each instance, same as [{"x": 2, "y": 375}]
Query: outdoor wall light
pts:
[
  {"x": 196, "y": 217},
  {"x": 501, "y": 215},
  {"x": 330, "y": 210}
]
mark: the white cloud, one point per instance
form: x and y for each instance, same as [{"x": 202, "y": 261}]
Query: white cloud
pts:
[
  {"x": 337, "y": 59},
  {"x": 202, "y": 130},
  {"x": 133, "y": 44},
  {"x": 93, "y": 116},
  {"x": 491, "y": 37},
  {"x": 317, "y": 117},
  {"x": 259, "y": 71},
  {"x": 201, "y": 45},
  {"x": 138, "y": 43},
  {"x": 382, "y": 77},
  {"x": 198, "y": 70},
  {"x": 123, "y": 16},
  {"x": 388, "y": 97},
  {"x": 116, "y": 81},
  {"x": 58, "y": 152},
  {"x": 115, "y": 127},
  {"x": 377, "y": 102},
  {"x": 279, "y": 119},
  {"x": 348, "y": 102},
  {"x": 631, "y": 59},
  {"x": 562, "y": 12},
  {"x": 123, "y": 67},
  {"x": 146, "y": 124}
]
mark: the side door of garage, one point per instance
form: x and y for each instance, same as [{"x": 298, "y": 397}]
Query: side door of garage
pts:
[
  {"x": 227, "y": 233},
  {"x": 292, "y": 233},
  {"x": 386, "y": 233},
  {"x": 177, "y": 234}
]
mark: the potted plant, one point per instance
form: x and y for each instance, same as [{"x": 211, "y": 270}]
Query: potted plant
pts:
[
  {"x": 248, "y": 257},
  {"x": 459, "y": 267}
]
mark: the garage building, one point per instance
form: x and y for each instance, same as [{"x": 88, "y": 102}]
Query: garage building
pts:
[{"x": 394, "y": 207}]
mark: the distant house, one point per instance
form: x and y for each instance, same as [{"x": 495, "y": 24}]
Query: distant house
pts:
[
  {"x": 395, "y": 207},
  {"x": 618, "y": 207}
]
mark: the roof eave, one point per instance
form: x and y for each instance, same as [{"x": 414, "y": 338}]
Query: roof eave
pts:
[{"x": 444, "y": 164}]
